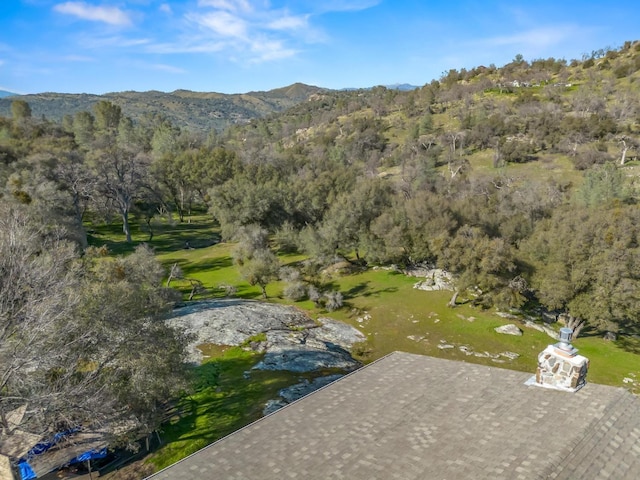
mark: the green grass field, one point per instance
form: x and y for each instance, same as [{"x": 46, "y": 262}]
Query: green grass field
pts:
[{"x": 381, "y": 303}]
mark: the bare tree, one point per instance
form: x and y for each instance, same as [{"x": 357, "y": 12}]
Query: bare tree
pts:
[
  {"x": 77, "y": 179},
  {"x": 122, "y": 175},
  {"x": 626, "y": 143},
  {"x": 82, "y": 340}
]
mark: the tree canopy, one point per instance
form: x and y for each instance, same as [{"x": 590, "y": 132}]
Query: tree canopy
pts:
[{"x": 479, "y": 172}]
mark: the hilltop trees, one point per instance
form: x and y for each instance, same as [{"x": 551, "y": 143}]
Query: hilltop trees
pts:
[{"x": 107, "y": 116}]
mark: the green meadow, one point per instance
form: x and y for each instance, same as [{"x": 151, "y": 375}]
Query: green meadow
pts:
[{"x": 381, "y": 303}]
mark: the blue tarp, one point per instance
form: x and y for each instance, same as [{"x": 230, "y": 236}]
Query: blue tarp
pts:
[
  {"x": 44, "y": 446},
  {"x": 90, "y": 455},
  {"x": 26, "y": 472}
]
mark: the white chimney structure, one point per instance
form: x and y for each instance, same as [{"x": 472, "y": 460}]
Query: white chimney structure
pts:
[{"x": 560, "y": 367}]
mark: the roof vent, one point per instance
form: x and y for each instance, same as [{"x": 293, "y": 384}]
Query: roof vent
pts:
[
  {"x": 565, "y": 334},
  {"x": 565, "y": 341}
]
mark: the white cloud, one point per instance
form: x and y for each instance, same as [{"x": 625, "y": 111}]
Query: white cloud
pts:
[
  {"x": 252, "y": 30},
  {"x": 110, "y": 15},
  {"x": 113, "y": 41},
  {"x": 167, "y": 68},
  {"x": 229, "y": 5},
  {"x": 270, "y": 50},
  {"x": 221, "y": 23},
  {"x": 289, "y": 22},
  {"x": 166, "y": 8}
]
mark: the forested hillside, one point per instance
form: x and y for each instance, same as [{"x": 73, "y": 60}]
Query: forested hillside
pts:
[
  {"x": 520, "y": 180},
  {"x": 196, "y": 111}
]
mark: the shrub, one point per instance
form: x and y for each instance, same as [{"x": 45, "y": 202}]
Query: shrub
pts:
[
  {"x": 229, "y": 290},
  {"x": 289, "y": 274},
  {"x": 295, "y": 291},
  {"x": 587, "y": 159},
  {"x": 334, "y": 301},
  {"x": 314, "y": 295},
  {"x": 287, "y": 238}
]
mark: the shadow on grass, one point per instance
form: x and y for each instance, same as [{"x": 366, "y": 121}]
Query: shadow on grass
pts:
[
  {"x": 189, "y": 267},
  {"x": 629, "y": 343},
  {"x": 590, "y": 331},
  {"x": 166, "y": 237},
  {"x": 226, "y": 396},
  {"x": 115, "y": 248},
  {"x": 363, "y": 289},
  {"x": 356, "y": 290}
]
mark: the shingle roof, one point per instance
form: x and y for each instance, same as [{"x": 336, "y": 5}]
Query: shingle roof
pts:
[{"x": 414, "y": 417}]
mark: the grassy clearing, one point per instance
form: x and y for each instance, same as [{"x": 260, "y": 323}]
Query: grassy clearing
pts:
[
  {"x": 382, "y": 304},
  {"x": 169, "y": 235},
  {"x": 399, "y": 317}
]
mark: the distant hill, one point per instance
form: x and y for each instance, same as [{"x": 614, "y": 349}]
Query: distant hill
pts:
[
  {"x": 200, "y": 111},
  {"x": 4, "y": 93},
  {"x": 405, "y": 87}
]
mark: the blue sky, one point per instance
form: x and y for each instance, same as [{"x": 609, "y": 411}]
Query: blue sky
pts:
[{"x": 236, "y": 46}]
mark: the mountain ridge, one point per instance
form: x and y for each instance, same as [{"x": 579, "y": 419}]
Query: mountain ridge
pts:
[{"x": 201, "y": 111}]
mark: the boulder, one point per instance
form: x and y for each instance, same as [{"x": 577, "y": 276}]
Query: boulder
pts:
[
  {"x": 337, "y": 333},
  {"x": 510, "y": 355},
  {"x": 233, "y": 322},
  {"x": 509, "y": 329},
  {"x": 301, "y": 352},
  {"x": 293, "y": 340},
  {"x": 435, "y": 279},
  {"x": 299, "y": 390}
]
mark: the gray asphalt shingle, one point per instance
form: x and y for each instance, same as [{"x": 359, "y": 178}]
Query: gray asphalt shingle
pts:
[{"x": 408, "y": 416}]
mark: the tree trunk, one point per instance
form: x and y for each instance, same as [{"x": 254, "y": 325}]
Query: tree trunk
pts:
[
  {"x": 576, "y": 325},
  {"x": 454, "y": 298},
  {"x": 624, "y": 152},
  {"x": 4, "y": 424},
  {"x": 264, "y": 291},
  {"x": 150, "y": 229},
  {"x": 174, "y": 272},
  {"x": 79, "y": 214},
  {"x": 125, "y": 226}
]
